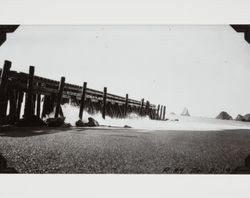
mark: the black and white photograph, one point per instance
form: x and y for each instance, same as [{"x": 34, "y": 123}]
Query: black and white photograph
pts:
[{"x": 125, "y": 99}]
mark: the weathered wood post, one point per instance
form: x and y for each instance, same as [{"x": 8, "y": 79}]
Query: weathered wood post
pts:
[
  {"x": 3, "y": 84},
  {"x": 19, "y": 103},
  {"x": 141, "y": 108},
  {"x": 82, "y": 103},
  {"x": 59, "y": 96},
  {"x": 29, "y": 107},
  {"x": 161, "y": 112},
  {"x": 147, "y": 107},
  {"x": 38, "y": 100},
  {"x": 164, "y": 112},
  {"x": 151, "y": 116},
  {"x": 52, "y": 102},
  {"x": 45, "y": 105},
  {"x": 155, "y": 113},
  {"x": 34, "y": 102},
  {"x": 104, "y": 102},
  {"x": 126, "y": 106},
  {"x": 13, "y": 103},
  {"x": 158, "y": 112}
]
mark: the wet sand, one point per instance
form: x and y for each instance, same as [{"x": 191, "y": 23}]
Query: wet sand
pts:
[{"x": 120, "y": 150}]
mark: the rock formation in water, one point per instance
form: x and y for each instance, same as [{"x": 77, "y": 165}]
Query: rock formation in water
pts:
[
  {"x": 239, "y": 118},
  {"x": 185, "y": 112},
  {"x": 224, "y": 116},
  {"x": 246, "y": 118}
]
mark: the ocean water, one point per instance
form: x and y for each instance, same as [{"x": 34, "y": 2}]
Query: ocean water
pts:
[
  {"x": 137, "y": 122},
  {"x": 184, "y": 122}
]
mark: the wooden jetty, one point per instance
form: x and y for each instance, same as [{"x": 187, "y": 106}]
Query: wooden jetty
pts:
[{"x": 17, "y": 87}]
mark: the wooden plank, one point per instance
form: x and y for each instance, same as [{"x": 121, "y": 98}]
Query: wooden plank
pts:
[
  {"x": 142, "y": 106},
  {"x": 13, "y": 104},
  {"x": 158, "y": 112},
  {"x": 34, "y": 101},
  {"x": 83, "y": 98},
  {"x": 3, "y": 86},
  {"x": 38, "y": 102},
  {"x": 46, "y": 104},
  {"x": 61, "y": 111},
  {"x": 104, "y": 102},
  {"x": 161, "y": 112},
  {"x": 147, "y": 108},
  {"x": 126, "y": 106},
  {"x": 19, "y": 103},
  {"x": 59, "y": 96},
  {"x": 29, "y": 107},
  {"x": 164, "y": 112}
]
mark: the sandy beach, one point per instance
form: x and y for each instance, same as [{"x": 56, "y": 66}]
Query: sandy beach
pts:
[{"x": 119, "y": 150}]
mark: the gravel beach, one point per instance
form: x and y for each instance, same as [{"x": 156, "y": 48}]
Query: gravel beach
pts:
[{"x": 119, "y": 150}]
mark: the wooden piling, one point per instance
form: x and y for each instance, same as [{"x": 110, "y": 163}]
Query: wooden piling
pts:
[
  {"x": 158, "y": 112},
  {"x": 61, "y": 111},
  {"x": 13, "y": 104},
  {"x": 154, "y": 111},
  {"x": 164, "y": 112},
  {"x": 29, "y": 107},
  {"x": 141, "y": 108},
  {"x": 126, "y": 106},
  {"x": 161, "y": 112},
  {"x": 147, "y": 107},
  {"x": 150, "y": 113},
  {"x": 59, "y": 96},
  {"x": 104, "y": 102},
  {"x": 38, "y": 101},
  {"x": 82, "y": 103},
  {"x": 46, "y": 105},
  {"x": 52, "y": 102},
  {"x": 19, "y": 103},
  {"x": 3, "y": 85}
]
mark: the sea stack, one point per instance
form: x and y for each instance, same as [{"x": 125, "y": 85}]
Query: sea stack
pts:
[
  {"x": 246, "y": 118},
  {"x": 224, "y": 116},
  {"x": 239, "y": 118},
  {"x": 185, "y": 112}
]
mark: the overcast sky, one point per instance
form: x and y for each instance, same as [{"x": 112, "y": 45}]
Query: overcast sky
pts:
[{"x": 203, "y": 68}]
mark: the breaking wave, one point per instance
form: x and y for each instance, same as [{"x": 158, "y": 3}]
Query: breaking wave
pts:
[{"x": 174, "y": 122}]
